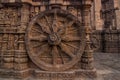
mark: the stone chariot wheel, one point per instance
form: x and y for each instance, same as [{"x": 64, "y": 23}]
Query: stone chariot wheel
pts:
[{"x": 55, "y": 40}]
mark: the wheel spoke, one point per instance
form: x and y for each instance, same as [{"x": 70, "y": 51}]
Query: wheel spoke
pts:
[
  {"x": 62, "y": 58},
  {"x": 42, "y": 49},
  {"x": 50, "y": 26},
  {"x": 64, "y": 29},
  {"x": 37, "y": 45},
  {"x": 66, "y": 50},
  {"x": 70, "y": 38},
  {"x": 71, "y": 31},
  {"x": 55, "y": 54},
  {"x": 54, "y": 25},
  {"x": 69, "y": 24},
  {"x": 44, "y": 28},
  {"x": 38, "y": 38},
  {"x": 36, "y": 30},
  {"x": 71, "y": 45}
]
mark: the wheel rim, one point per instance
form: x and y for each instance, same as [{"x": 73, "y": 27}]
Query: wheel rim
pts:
[{"x": 55, "y": 40}]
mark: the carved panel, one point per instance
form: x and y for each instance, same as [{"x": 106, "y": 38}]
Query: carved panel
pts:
[
  {"x": 12, "y": 44},
  {"x": 8, "y": 16},
  {"x": 9, "y": 20},
  {"x": 8, "y": 24},
  {"x": 72, "y": 10},
  {"x": 34, "y": 11}
]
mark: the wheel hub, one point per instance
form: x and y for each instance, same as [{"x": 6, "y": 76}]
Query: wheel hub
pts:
[{"x": 54, "y": 39}]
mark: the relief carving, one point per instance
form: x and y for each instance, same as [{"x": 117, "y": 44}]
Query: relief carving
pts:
[
  {"x": 8, "y": 20},
  {"x": 72, "y": 10},
  {"x": 53, "y": 38},
  {"x": 8, "y": 16}
]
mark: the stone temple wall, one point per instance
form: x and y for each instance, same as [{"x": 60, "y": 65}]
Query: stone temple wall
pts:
[
  {"x": 106, "y": 23},
  {"x": 15, "y": 61},
  {"x": 109, "y": 41}
]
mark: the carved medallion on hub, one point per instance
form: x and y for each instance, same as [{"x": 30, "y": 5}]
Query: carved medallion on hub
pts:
[{"x": 54, "y": 39}]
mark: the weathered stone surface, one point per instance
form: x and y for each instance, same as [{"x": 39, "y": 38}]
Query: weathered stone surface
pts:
[
  {"x": 38, "y": 38},
  {"x": 56, "y": 38},
  {"x": 107, "y": 64}
]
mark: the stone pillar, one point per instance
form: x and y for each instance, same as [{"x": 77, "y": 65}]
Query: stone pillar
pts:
[
  {"x": 87, "y": 57},
  {"x": 21, "y": 57},
  {"x": 97, "y": 23},
  {"x": 1, "y": 54},
  {"x": 7, "y": 56},
  {"x": 24, "y": 18},
  {"x": 117, "y": 12}
]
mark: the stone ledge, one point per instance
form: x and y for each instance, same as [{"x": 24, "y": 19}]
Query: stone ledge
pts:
[
  {"x": 4, "y": 73},
  {"x": 66, "y": 75}
]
